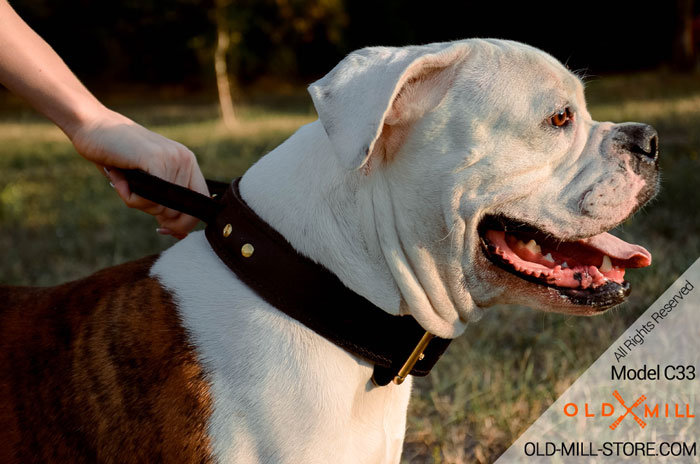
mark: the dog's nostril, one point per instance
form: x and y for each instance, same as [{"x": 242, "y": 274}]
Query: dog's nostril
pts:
[
  {"x": 654, "y": 147},
  {"x": 641, "y": 140},
  {"x": 647, "y": 147}
]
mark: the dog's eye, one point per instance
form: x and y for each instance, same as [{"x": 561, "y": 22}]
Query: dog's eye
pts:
[{"x": 562, "y": 118}]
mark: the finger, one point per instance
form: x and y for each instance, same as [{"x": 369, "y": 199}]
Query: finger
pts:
[
  {"x": 197, "y": 182},
  {"x": 104, "y": 170},
  {"x": 166, "y": 231},
  {"x": 135, "y": 201},
  {"x": 188, "y": 173},
  {"x": 132, "y": 200},
  {"x": 168, "y": 214},
  {"x": 118, "y": 181},
  {"x": 179, "y": 225},
  {"x": 182, "y": 161}
]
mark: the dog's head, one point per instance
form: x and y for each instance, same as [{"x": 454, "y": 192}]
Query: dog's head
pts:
[{"x": 490, "y": 182}]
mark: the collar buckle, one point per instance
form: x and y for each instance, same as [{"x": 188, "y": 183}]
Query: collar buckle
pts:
[{"x": 415, "y": 356}]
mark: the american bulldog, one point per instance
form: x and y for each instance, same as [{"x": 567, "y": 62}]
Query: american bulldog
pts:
[{"x": 438, "y": 180}]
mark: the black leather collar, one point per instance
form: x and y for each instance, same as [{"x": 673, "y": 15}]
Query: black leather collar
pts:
[{"x": 297, "y": 286}]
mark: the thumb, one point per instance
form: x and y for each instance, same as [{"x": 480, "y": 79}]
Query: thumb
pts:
[{"x": 118, "y": 181}]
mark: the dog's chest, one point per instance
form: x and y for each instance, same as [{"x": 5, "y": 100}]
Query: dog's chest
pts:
[{"x": 280, "y": 393}]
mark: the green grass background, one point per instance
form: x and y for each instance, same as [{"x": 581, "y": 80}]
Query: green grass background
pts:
[{"x": 60, "y": 220}]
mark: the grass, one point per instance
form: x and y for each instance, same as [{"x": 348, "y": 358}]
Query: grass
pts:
[{"x": 60, "y": 220}]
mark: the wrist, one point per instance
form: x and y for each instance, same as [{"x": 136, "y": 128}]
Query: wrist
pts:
[{"x": 81, "y": 113}]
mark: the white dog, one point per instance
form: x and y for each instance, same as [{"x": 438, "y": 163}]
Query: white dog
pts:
[{"x": 438, "y": 180}]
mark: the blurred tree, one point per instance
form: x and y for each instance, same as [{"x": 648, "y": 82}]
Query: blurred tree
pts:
[
  {"x": 256, "y": 38},
  {"x": 284, "y": 37},
  {"x": 223, "y": 41},
  {"x": 174, "y": 43},
  {"x": 684, "y": 50}
]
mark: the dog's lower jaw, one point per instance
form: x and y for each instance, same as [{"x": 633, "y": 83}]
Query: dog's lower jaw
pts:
[{"x": 280, "y": 392}]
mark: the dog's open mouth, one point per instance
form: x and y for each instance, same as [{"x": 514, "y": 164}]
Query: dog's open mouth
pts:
[{"x": 587, "y": 272}]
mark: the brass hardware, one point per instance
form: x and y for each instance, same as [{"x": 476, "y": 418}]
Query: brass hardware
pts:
[
  {"x": 227, "y": 230},
  {"x": 247, "y": 250},
  {"x": 415, "y": 356}
]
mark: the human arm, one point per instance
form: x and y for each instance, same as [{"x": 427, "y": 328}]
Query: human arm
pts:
[{"x": 31, "y": 69}]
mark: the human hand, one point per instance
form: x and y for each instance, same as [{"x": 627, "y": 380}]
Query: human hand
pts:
[
  {"x": 30, "y": 68},
  {"x": 111, "y": 140}
]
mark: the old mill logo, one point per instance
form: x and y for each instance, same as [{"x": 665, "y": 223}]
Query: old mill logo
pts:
[
  {"x": 639, "y": 401},
  {"x": 669, "y": 410}
]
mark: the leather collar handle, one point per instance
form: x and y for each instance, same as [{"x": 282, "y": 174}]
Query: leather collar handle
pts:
[
  {"x": 175, "y": 196},
  {"x": 296, "y": 285}
]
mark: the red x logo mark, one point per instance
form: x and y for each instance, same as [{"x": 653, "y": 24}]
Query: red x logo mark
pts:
[{"x": 639, "y": 421}]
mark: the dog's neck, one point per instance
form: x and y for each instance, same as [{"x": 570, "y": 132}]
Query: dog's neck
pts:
[{"x": 328, "y": 217}]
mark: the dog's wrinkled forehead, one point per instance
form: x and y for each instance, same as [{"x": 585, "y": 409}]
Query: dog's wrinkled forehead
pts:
[
  {"x": 359, "y": 96},
  {"x": 509, "y": 75}
]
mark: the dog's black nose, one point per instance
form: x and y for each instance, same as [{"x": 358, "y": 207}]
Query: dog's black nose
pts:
[{"x": 640, "y": 139}]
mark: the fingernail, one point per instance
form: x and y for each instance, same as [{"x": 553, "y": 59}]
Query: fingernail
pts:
[{"x": 164, "y": 231}]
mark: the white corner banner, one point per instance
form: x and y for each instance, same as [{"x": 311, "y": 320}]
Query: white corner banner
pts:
[{"x": 638, "y": 402}]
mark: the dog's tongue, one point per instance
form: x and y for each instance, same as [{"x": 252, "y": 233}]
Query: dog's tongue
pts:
[{"x": 632, "y": 255}]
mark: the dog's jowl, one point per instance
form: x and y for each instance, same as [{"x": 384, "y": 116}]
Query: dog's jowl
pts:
[{"x": 439, "y": 180}]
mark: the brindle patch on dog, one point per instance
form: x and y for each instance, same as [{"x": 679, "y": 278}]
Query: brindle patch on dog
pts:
[{"x": 88, "y": 373}]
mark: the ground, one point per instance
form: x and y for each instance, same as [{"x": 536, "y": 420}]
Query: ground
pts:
[{"x": 59, "y": 220}]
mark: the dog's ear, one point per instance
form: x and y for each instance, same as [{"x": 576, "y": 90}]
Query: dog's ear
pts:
[{"x": 368, "y": 102}]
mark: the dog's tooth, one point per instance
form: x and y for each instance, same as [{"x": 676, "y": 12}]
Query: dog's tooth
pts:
[
  {"x": 549, "y": 258},
  {"x": 520, "y": 244},
  {"x": 607, "y": 264},
  {"x": 564, "y": 265},
  {"x": 533, "y": 247}
]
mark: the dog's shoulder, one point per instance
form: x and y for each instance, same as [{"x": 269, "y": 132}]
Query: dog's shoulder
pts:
[{"x": 100, "y": 368}]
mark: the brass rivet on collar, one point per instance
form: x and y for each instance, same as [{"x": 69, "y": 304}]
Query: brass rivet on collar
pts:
[
  {"x": 247, "y": 250},
  {"x": 227, "y": 230}
]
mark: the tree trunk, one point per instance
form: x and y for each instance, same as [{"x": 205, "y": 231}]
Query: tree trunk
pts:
[
  {"x": 223, "y": 42},
  {"x": 684, "y": 50}
]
